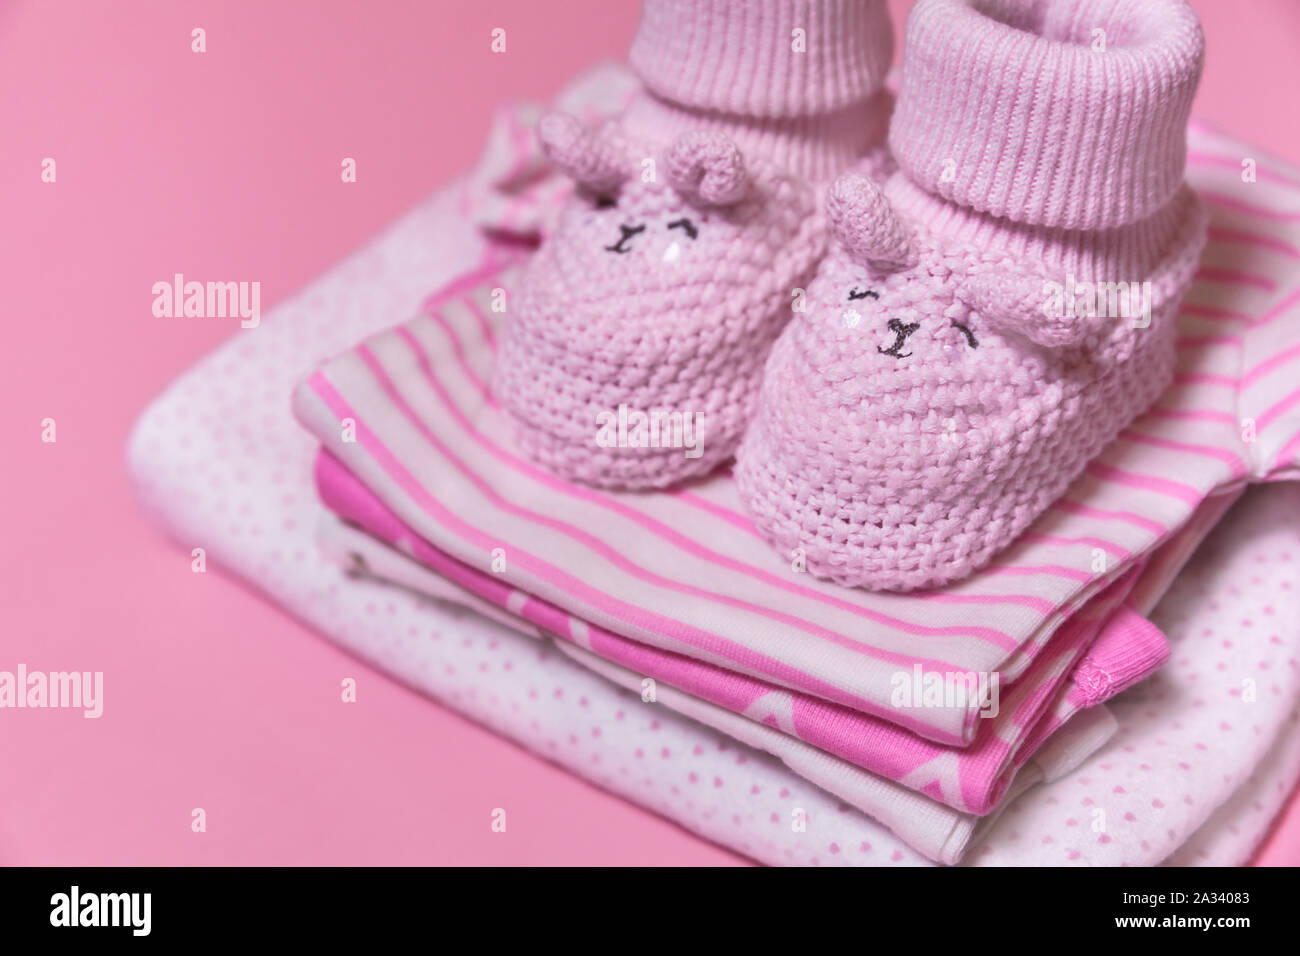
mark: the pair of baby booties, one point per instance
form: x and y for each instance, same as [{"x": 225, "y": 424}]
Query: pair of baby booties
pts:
[{"x": 909, "y": 361}]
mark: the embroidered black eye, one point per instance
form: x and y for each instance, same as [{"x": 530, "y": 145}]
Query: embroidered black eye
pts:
[
  {"x": 685, "y": 224},
  {"x": 606, "y": 202},
  {"x": 627, "y": 233},
  {"x": 901, "y": 330},
  {"x": 854, "y": 294},
  {"x": 970, "y": 336}
]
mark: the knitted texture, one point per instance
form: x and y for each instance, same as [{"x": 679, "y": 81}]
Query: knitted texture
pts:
[
  {"x": 947, "y": 384},
  {"x": 665, "y": 299},
  {"x": 770, "y": 58},
  {"x": 637, "y": 338},
  {"x": 800, "y": 82},
  {"x": 1049, "y": 112}
]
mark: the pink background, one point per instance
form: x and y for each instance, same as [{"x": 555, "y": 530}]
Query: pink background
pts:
[{"x": 227, "y": 164}]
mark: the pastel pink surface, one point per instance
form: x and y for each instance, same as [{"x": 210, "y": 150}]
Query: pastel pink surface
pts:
[{"x": 226, "y": 165}]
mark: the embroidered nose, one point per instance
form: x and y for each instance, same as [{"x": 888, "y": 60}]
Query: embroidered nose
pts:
[
  {"x": 901, "y": 330},
  {"x": 627, "y": 233}
]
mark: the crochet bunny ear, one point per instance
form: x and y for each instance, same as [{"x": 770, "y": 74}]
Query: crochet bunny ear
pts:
[
  {"x": 707, "y": 167},
  {"x": 584, "y": 157},
  {"x": 1028, "y": 305},
  {"x": 867, "y": 226}
]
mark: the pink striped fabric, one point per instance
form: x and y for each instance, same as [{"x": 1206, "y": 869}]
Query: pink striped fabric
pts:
[
  {"x": 932, "y": 829},
  {"x": 681, "y": 576},
  {"x": 970, "y": 780}
]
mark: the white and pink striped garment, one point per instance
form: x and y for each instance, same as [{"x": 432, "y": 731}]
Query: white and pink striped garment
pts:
[
  {"x": 1122, "y": 653},
  {"x": 926, "y": 826},
  {"x": 1191, "y": 732},
  {"x": 683, "y": 572},
  {"x": 1122, "y": 647}
]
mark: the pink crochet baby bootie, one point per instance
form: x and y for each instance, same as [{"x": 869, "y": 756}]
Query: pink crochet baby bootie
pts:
[
  {"x": 637, "y": 337},
  {"x": 1003, "y": 308}
]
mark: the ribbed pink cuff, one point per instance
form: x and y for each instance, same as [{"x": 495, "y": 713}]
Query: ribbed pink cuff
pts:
[
  {"x": 1066, "y": 113},
  {"x": 1122, "y": 253},
  {"x": 741, "y": 56},
  {"x": 817, "y": 147}
]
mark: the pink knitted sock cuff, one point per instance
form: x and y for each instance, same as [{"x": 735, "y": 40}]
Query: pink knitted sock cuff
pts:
[
  {"x": 1066, "y": 113},
  {"x": 744, "y": 57},
  {"x": 816, "y": 147},
  {"x": 1133, "y": 250}
]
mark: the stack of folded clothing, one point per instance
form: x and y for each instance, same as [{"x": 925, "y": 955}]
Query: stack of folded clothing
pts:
[
  {"x": 952, "y": 513},
  {"x": 924, "y": 709}
]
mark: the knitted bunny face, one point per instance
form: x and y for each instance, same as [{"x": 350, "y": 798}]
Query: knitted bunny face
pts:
[
  {"x": 656, "y": 244},
  {"x": 899, "y": 326},
  {"x": 656, "y": 224},
  {"x": 931, "y": 402},
  {"x": 662, "y": 288},
  {"x": 960, "y": 331},
  {"x": 613, "y": 248}
]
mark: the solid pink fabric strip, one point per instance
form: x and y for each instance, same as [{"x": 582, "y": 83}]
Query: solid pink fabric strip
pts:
[{"x": 1128, "y": 649}]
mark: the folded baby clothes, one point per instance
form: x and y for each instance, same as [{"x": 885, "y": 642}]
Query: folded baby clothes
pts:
[
  {"x": 215, "y": 468},
  {"x": 1192, "y": 737},
  {"x": 483, "y": 490},
  {"x": 409, "y": 412},
  {"x": 695, "y": 218},
  {"x": 1120, "y": 646},
  {"x": 928, "y": 827},
  {"x": 708, "y": 592},
  {"x": 777, "y": 624},
  {"x": 1071, "y": 818},
  {"x": 218, "y": 469}
]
